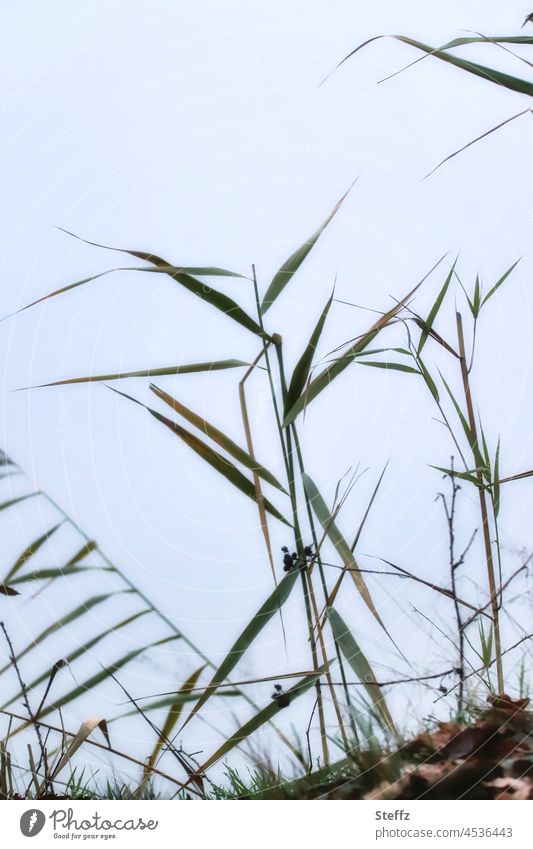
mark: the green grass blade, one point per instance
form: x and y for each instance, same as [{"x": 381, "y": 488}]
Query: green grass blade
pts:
[
  {"x": 265, "y": 715},
  {"x": 360, "y": 665},
  {"x": 219, "y": 437},
  {"x": 391, "y": 366},
  {"x": 323, "y": 380},
  {"x": 497, "y": 285},
  {"x": 428, "y": 324},
  {"x": 291, "y": 266},
  {"x": 498, "y": 77},
  {"x": 216, "y": 460},
  {"x": 270, "y": 608},
  {"x": 164, "y": 371},
  {"x": 343, "y": 549},
  {"x": 157, "y": 260},
  {"x": 212, "y": 296},
  {"x": 217, "y": 299},
  {"x": 300, "y": 374}
]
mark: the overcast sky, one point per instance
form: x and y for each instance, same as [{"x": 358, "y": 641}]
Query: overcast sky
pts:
[{"x": 198, "y": 131}]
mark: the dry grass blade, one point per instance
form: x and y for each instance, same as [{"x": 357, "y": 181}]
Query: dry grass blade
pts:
[
  {"x": 86, "y": 728},
  {"x": 5, "y": 590}
]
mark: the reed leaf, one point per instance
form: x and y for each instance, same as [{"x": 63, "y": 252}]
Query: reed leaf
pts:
[
  {"x": 492, "y": 75},
  {"x": 343, "y": 549},
  {"x": 428, "y": 324},
  {"x": 272, "y": 605},
  {"x": 293, "y": 263},
  {"x": 216, "y": 460},
  {"x": 219, "y": 437},
  {"x": 265, "y": 715},
  {"x": 323, "y": 380},
  {"x": 302, "y": 369},
  {"x": 164, "y": 371},
  {"x": 360, "y": 665}
]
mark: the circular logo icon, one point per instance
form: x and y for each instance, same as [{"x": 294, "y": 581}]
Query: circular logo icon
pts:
[{"x": 32, "y": 822}]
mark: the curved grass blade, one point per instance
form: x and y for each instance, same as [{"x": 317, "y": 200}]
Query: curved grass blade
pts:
[
  {"x": 216, "y": 460},
  {"x": 32, "y": 549},
  {"x": 265, "y": 613},
  {"x": 343, "y": 549},
  {"x": 265, "y": 715},
  {"x": 217, "y": 299},
  {"x": 300, "y": 374},
  {"x": 319, "y": 383},
  {"x": 189, "y": 368},
  {"x": 498, "y": 77},
  {"x": 219, "y": 437},
  {"x": 360, "y": 665},
  {"x": 291, "y": 266},
  {"x": 393, "y": 366},
  {"x": 157, "y": 260}
]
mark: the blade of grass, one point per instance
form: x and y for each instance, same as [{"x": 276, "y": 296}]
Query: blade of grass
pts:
[
  {"x": 293, "y": 263},
  {"x": 301, "y": 372},
  {"x": 428, "y": 324},
  {"x": 216, "y": 460},
  {"x": 261, "y": 718},
  {"x": 265, "y": 613},
  {"x": 319, "y": 383},
  {"x": 190, "y": 368},
  {"x": 343, "y": 549},
  {"x": 219, "y": 437},
  {"x": 360, "y": 665},
  {"x": 498, "y": 77}
]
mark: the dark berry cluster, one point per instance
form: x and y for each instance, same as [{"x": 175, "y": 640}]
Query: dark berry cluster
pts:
[
  {"x": 283, "y": 699},
  {"x": 289, "y": 560}
]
